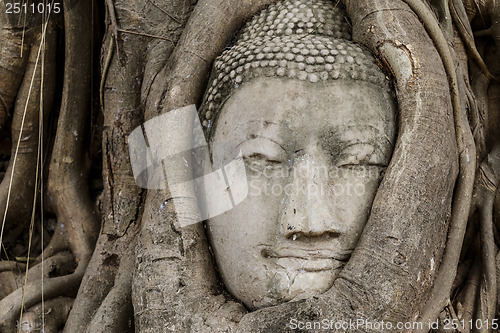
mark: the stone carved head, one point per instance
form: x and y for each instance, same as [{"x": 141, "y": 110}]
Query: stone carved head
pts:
[{"x": 314, "y": 119}]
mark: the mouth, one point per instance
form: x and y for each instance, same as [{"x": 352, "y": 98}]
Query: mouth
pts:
[{"x": 303, "y": 260}]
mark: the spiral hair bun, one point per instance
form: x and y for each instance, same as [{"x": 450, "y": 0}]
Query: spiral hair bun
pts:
[{"x": 306, "y": 40}]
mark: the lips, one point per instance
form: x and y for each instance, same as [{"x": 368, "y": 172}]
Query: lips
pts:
[
  {"x": 309, "y": 265},
  {"x": 306, "y": 260}
]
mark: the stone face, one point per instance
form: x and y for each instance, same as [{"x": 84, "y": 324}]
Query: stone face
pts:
[
  {"x": 314, "y": 117},
  {"x": 314, "y": 154}
]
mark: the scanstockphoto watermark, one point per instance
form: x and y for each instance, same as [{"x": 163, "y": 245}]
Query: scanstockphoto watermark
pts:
[
  {"x": 312, "y": 170},
  {"x": 382, "y": 326},
  {"x": 310, "y": 190},
  {"x": 284, "y": 179},
  {"x": 167, "y": 152},
  {"x": 358, "y": 324}
]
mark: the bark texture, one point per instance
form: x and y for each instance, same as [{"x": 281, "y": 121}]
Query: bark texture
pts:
[{"x": 429, "y": 248}]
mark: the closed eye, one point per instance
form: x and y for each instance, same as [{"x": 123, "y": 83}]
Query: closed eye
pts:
[
  {"x": 263, "y": 149},
  {"x": 261, "y": 157},
  {"x": 362, "y": 164},
  {"x": 365, "y": 169}
]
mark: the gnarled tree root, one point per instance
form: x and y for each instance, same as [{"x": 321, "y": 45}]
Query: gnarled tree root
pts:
[
  {"x": 68, "y": 170},
  {"x": 11, "y": 305},
  {"x": 55, "y": 313},
  {"x": 115, "y": 314},
  {"x": 18, "y": 186},
  {"x": 439, "y": 296},
  {"x": 121, "y": 91},
  {"x": 12, "y": 67}
]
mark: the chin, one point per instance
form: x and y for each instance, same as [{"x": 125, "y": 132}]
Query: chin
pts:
[{"x": 285, "y": 286}]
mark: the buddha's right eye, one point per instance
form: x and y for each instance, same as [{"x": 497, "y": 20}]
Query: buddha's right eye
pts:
[
  {"x": 261, "y": 149},
  {"x": 261, "y": 157}
]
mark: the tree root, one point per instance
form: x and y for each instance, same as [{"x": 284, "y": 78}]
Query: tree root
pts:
[
  {"x": 58, "y": 243},
  {"x": 443, "y": 283},
  {"x": 11, "y": 305},
  {"x": 494, "y": 30},
  {"x": 497, "y": 260},
  {"x": 467, "y": 298},
  {"x": 55, "y": 313},
  {"x": 18, "y": 185},
  {"x": 68, "y": 171},
  {"x": 10, "y": 281},
  {"x": 69, "y": 165},
  {"x": 11, "y": 265},
  {"x": 490, "y": 177},
  {"x": 122, "y": 201},
  {"x": 466, "y": 262},
  {"x": 115, "y": 314},
  {"x": 460, "y": 18},
  {"x": 479, "y": 113},
  {"x": 61, "y": 263},
  {"x": 105, "y": 287},
  {"x": 12, "y": 68}
]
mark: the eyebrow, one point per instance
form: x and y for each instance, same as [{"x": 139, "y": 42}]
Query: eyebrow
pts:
[
  {"x": 246, "y": 130},
  {"x": 250, "y": 133},
  {"x": 253, "y": 137}
]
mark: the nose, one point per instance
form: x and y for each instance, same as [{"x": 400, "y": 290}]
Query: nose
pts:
[{"x": 309, "y": 208}]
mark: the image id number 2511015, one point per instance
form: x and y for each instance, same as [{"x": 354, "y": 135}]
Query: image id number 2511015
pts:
[
  {"x": 471, "y": 324},
  {"x": 32, "y": 8}
]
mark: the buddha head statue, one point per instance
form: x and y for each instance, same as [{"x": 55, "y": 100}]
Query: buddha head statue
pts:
[{"x": 314, "y": 119}]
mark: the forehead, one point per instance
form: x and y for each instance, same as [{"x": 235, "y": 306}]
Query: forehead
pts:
[{"x": 275, "y": 107}]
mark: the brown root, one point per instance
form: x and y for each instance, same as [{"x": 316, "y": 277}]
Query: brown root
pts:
[
  {"x": 11, "y": 266},
  {"x": 67, "y": 184},
  {"x": 58, "y": 243},
  {"x": 440, "y": 294},
  {"x": 12, "y": 68},
  {"x": 61, "y": 263},
  {"x": 490, "y": 176},
  {"x": 115, "y": 314},
  {"x": 121, "y": 196},
  {"x": 10, "y": 281},
  {"x": 467, "y": 298},
  {"x": 48, "y": 318},
  {"x": 461, "y": 21},
  {"x": 11, "y": 305},
  {"x": 69, "y": 165},
  {"x": 18, "y": 186}
]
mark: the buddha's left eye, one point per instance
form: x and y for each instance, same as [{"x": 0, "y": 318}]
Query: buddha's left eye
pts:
[
  {"x": 362, "y": 155},
  {"x": 362, "y": 164}
]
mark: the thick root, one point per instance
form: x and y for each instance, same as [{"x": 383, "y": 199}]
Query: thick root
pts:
[
  {"x": 18, "y": 186},
  {"x": 12, "y": 67},
  {"x": 55, "y": 313},
  {"x": 32, "y": 293},
  {"x": 67, "y": 183},
  {"x": 115, "y": 313}
]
